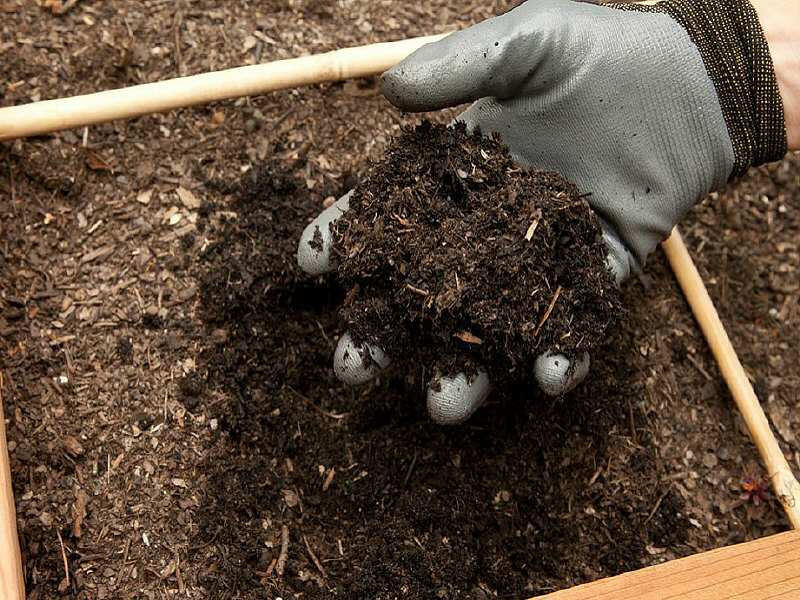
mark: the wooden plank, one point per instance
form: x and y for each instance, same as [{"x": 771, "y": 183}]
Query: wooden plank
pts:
[
  {"x": 765, "y": 569},
  {"x": 12, "y": 585}
]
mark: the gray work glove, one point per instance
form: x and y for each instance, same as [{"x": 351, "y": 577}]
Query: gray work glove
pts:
[{"x": 621, "y": 101}]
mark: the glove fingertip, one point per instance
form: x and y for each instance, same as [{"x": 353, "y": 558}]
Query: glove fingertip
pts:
[
  {"x": 453, "y": 400},
  {"x": 436, "y": 76},
  {"x": 619, "y": 260},
  {"x": 557, "y": 375},
  {"x": 313, "y": 253},
  {"x": 356, "y": 364},
  {"x": 403, "y": 90},
  {"x": 315, "y": 246}
]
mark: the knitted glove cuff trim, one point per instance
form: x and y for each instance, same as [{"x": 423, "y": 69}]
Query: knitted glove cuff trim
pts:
[{"x": 731, "y": 43}]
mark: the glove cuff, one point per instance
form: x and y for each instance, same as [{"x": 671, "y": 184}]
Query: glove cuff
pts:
[{"x": 736, "y": 55}]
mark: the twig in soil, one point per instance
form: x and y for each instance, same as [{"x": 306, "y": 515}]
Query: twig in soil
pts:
[
  {"x": 62, "y": 9},
  {"x": 401, "y": 220},
  {"x": 633, "y": 423},
  {"x": 79, "y": 509},
  {"x": 594, "y": 478},
  {"x": 325, "y": 335},
  {"x": 410, "y": 469},
  {"x": 66, "y": 564},
  {"x": 315, "y": 407},
  {"x": 176, "y": 30},
  {"x": 280, "y": 566},
  {"x": 658, "y": 503},
  {"x": 677, "y": 476},
  {"x": 417, "y": 290},
  {"x": 121, "y": 572},
  {"x": 270, "y": 568},
  {"x": 548, "y": 311},
  {"x": 178, "y": 575},
  {"x": 699, "y": 367},
  {"x": 299, "y": 501},
  {"x": 11, "y": 185},
  {"x": 314, "y": 558}
]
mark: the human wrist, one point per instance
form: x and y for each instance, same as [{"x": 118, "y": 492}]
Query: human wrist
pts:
[
  {"x": 738, "y": 59},
  {"x": 780, "y": 22}
]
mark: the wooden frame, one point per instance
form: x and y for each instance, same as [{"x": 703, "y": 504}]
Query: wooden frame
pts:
[
  {"x": 708, "y": 576},
  {"x": 12, "y": 582},
  {"x": 757, "y": 570},
  {"x": 90, "y": 109},
  {"x": 786, "y": 487}
]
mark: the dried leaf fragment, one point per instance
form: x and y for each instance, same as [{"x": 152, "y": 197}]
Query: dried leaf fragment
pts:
[
  {"x": 328, "y": 479},
  {"x": 96, "y": 162},
  {"x": 467, "y": 337}
]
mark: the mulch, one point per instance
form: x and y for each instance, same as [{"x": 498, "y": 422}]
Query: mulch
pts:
[{"x": 174, "y": 425}]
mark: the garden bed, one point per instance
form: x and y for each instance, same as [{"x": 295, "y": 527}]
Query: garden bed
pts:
[{"x": 172, "y": 414}]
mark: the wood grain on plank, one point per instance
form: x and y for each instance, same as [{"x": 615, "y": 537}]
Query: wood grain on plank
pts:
[{"x": 765, "y": 569}]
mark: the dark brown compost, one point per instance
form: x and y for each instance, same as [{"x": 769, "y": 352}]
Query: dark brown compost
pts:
[{"x": 453, "y": 254}]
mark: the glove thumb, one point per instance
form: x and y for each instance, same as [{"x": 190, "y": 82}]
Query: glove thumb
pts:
[{"x": 493, "y": 58}]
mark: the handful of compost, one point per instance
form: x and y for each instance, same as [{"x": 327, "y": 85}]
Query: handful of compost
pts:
[
  {"x": 457, "y": 259},
  {"x": 483, "y": 265}
]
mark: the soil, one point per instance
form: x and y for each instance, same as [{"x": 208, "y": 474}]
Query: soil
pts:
[
  {"x": 173, "y": 419},
  {"x": 454, "y": 256},
  {"x": 376, "y": 463}
]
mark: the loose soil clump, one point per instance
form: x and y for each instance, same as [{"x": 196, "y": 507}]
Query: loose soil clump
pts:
[{"x": 449, "y": 246}]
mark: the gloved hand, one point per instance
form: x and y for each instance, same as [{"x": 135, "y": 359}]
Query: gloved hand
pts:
[{"x": 646, "y": 108}]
